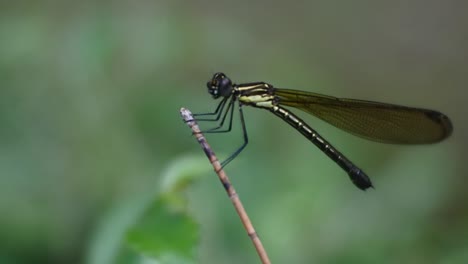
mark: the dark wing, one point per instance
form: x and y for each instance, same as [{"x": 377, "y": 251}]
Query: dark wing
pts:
[{"x": 381, "y": 122}]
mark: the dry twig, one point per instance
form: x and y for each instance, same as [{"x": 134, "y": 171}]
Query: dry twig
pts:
[{"x": 231, "y": 192}]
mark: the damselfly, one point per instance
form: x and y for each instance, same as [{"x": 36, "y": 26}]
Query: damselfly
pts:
[{"x": 375, "y": 121}]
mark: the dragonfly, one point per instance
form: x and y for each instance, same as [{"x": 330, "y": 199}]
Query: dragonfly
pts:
[{"x": 381, "y": 122}]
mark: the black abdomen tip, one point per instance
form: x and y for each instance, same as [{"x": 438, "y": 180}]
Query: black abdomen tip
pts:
[{"x": 360, "y": 179}]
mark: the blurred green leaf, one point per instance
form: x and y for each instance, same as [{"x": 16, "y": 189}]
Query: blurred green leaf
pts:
[
  {"x": 166, "y": 231},
  {"x": 165, "y": 234},
  {"x": 154, "y": 227}
]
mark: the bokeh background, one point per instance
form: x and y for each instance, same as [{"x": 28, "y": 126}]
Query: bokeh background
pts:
[{"x": 89, "y": 119}]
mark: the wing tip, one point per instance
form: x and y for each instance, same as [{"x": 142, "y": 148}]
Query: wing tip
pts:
[{"x": 443, "y": 121}]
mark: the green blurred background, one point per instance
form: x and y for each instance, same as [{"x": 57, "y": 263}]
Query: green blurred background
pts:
[{"x": 89, "y": 119}]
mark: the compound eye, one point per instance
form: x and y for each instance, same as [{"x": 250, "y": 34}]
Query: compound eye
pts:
[{"x": 219, "y": 85}]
